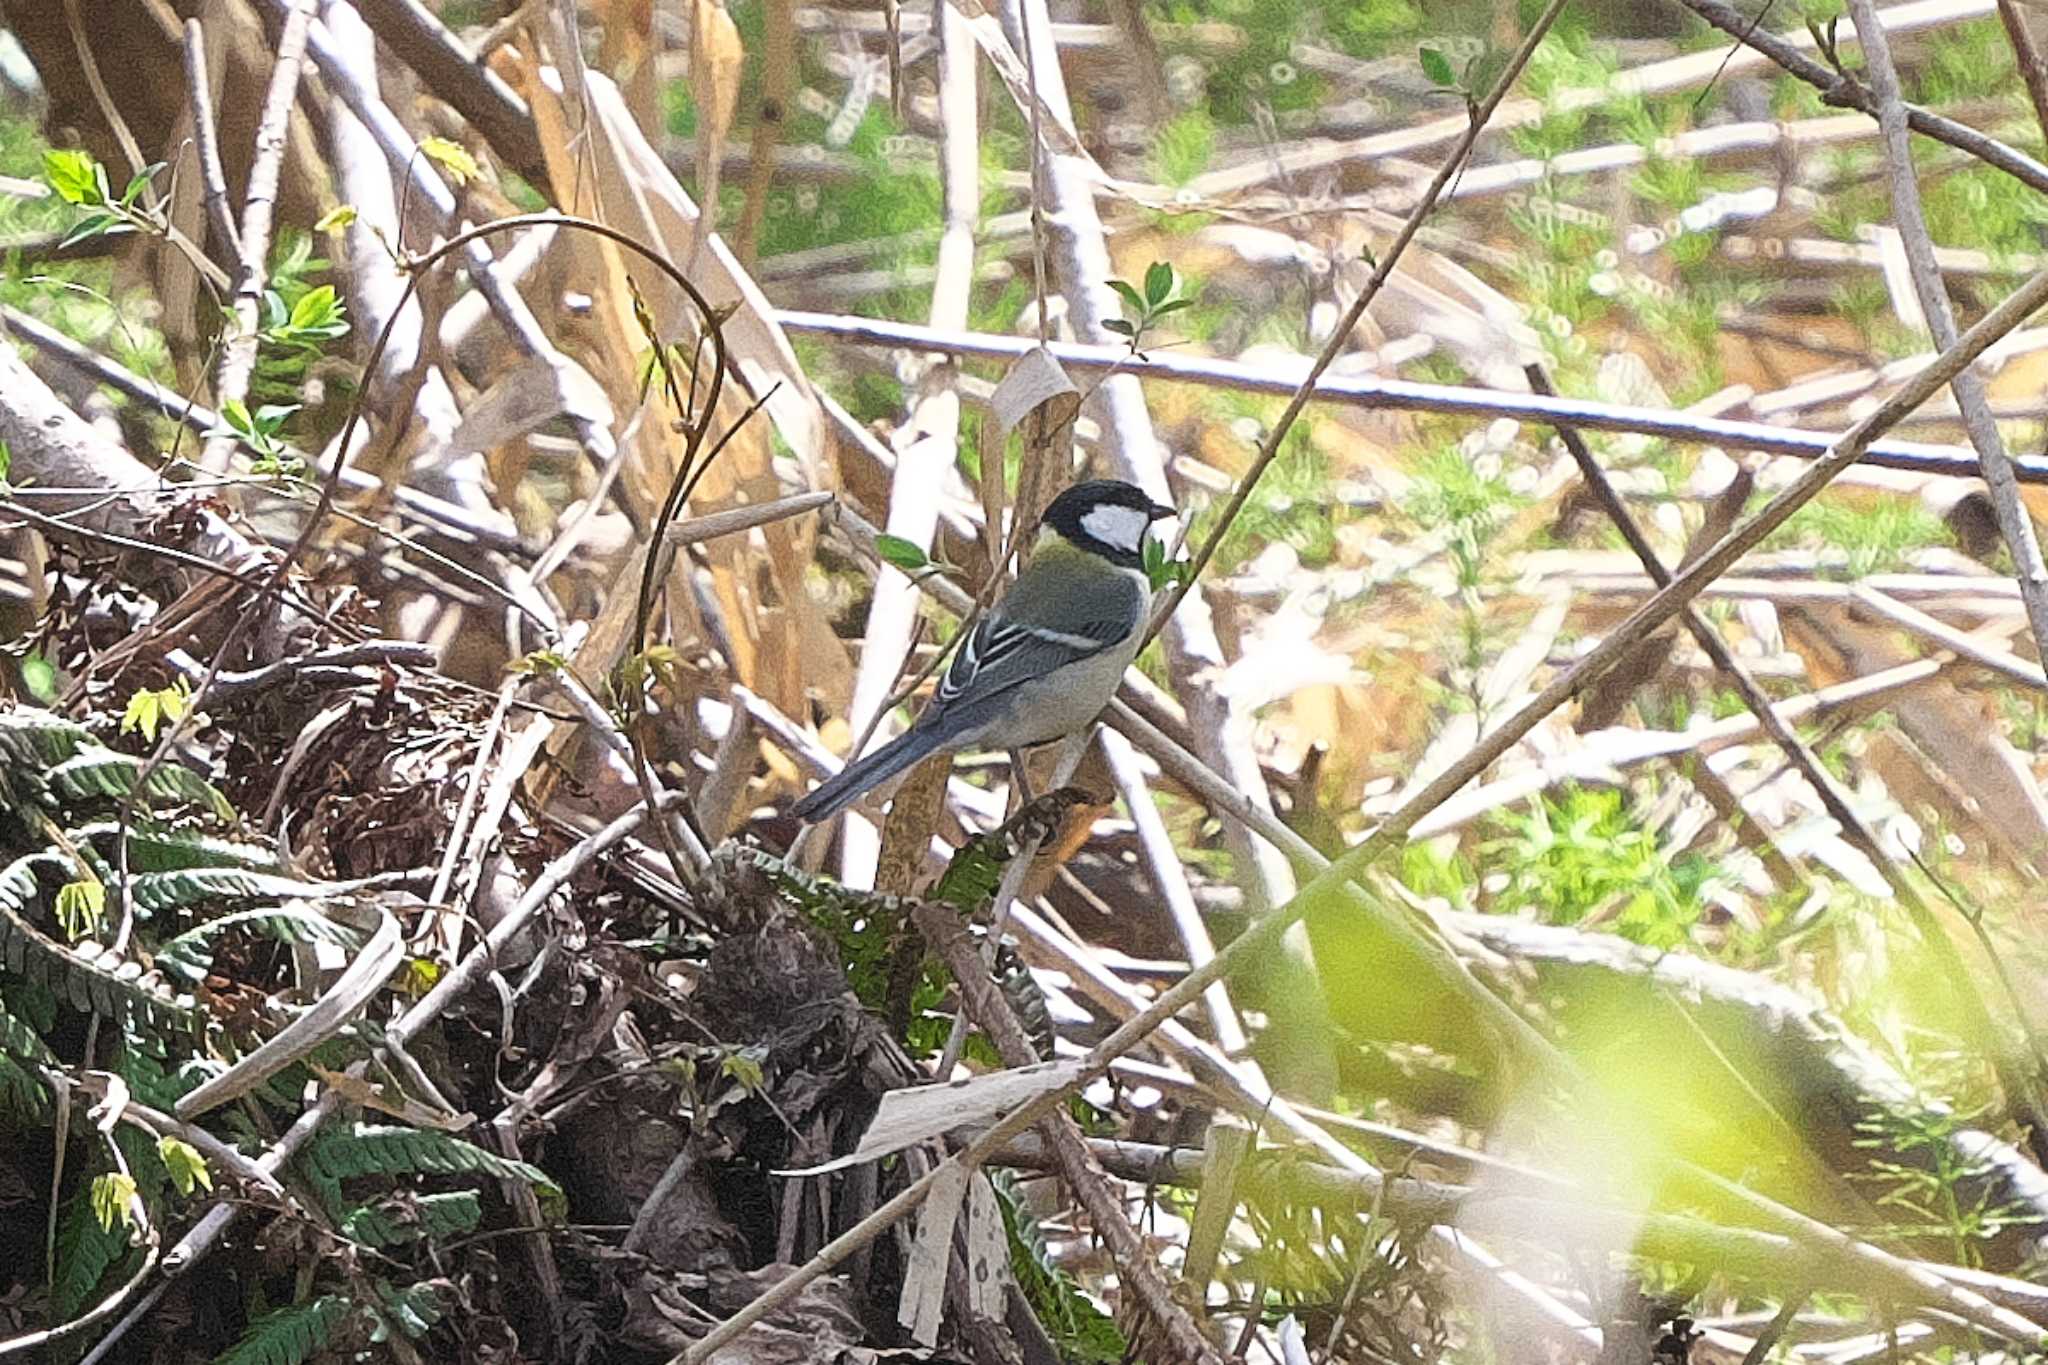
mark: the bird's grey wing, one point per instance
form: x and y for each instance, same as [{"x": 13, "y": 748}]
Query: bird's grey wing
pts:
[
  {"x": 1000, "y": 654},
  {"x": 1035, "y": 631}
]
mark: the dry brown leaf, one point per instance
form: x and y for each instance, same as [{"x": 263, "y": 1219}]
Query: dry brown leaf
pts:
[
  {"x": 778, "y": 641},
  {"x": 716, "y": 59},
  {"x": 627, "y": 51}
]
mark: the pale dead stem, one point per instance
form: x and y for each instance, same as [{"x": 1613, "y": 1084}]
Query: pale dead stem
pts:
[
  {"x": 238, "y": 357},
  {"x": 213, "y": 179},
  {"x": 1405, "y": 396},
  {"x": 933, "y": 423},
  {"x": 1890, "y": 1277},
  {"x": 2014, "y": 522}
]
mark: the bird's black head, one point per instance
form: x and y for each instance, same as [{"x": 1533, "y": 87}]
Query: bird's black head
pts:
[{"x": 1107, "y": 516}]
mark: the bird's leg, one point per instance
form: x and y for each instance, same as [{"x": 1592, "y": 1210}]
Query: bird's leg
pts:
[{"x": 1020, "y": 782}]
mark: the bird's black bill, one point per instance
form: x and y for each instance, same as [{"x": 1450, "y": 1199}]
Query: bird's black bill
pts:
[{"x": 1161, "y": 511}]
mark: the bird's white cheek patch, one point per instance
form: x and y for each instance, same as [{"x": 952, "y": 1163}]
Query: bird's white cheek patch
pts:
[{"x": 1120, "y": 527}]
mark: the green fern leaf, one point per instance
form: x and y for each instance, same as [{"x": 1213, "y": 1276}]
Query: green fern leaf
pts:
[
  {"x": 114, "y": 988},
  {"x": 413, "y": 1310},
  {"x": 85, "y": 1251},
  {"x": 431, "y": 1217},
  {"x": 157, "y": 892},
  {"x": 22, "y": 1093},
  {"x": 156, "y": 848},
  {"x": 31, "y": 738},
  {"x": 289, "y": 1336},
  {"x": 380, "y": 1149},
  {"x": 24, "y": 1101},
  {"x": 189, "y": 956},
  {"x": 100, "y": 772}
]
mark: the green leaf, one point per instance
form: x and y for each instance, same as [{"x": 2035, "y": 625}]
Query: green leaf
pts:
[
  {"x": 318, "y": 316},
  {"x": 90, "y": 226},
  {"x": 1120, "y": 327},
  {"x": 149, "y": 707},
  {"x": 139, "y": 182},
  {"x": 453, "y": 158},
  {"x": 187, "y": 1167},
  {"x": 74, "y": 175},
  {"x": 390, "y": 1149},
  {"x": 745, "y": 1068},
  {"x": 407, "y": 1217},
  {"x": 270, "y": 418},
  {"x": 115, "y": 1198},
  {"x": 334, "y": 220},
  {"x": 1437, "y": 67},
  {"x": 1158, "y": 283},
  {"x": 85, "y": 1252},
  {"x": 291, "y": 1335},
  {"x": 540, "y": 662},
  {"x": 39, "y": 678},
  {"x": 1161, "y": 570},
  {"x": 80, "y": 905},
  {"x": 1171, "y": 306},
  {"x": 6, "y": 462},
  {"x": 1131, "y": 297},
  {"x": 902, "y": 554}
]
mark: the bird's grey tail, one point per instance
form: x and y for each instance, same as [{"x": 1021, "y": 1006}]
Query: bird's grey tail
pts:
[{"x": 858, "y": 776}]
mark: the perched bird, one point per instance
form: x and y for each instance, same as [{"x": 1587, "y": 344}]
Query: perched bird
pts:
[{"x": 1047, "y": 658}]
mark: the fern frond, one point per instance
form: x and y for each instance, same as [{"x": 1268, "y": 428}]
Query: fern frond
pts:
[
  {"x": 23, "y": 1098},
  {"x": 113, "y": 989},
  {"x": 101, "y": 772},
  {"x": 157, "y": 848},
  {"x": 30, "y": 738},
  {"x": 290, "y": 1335},
  {"x": 189, "y": 956},
  {"x": 415, "y": 1308},
  {"x": 85, "y": 1252},
  {"x": 22, "y": 1093},
  {"x": 160, "y": 891},
  {"x": 428, "y": 1216},
  {"x": 390, "y": 1149}
]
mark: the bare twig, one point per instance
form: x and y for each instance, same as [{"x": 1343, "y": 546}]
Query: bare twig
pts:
[
  {"x": 2014, "y": 522},
  {"x": 1849, "y": 94},
  {"x": 212, "y": 178},
  {"x": 2026, "y": 52},
  {"x": 733, "y": 520},
  {"x": 1401, "y": 395},
  {"x": 238, "y": 356},
  {"x": 467, "y": 83}
]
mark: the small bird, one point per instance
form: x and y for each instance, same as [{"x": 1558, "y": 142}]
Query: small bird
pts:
[{"x": 1047, "y": 658}]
